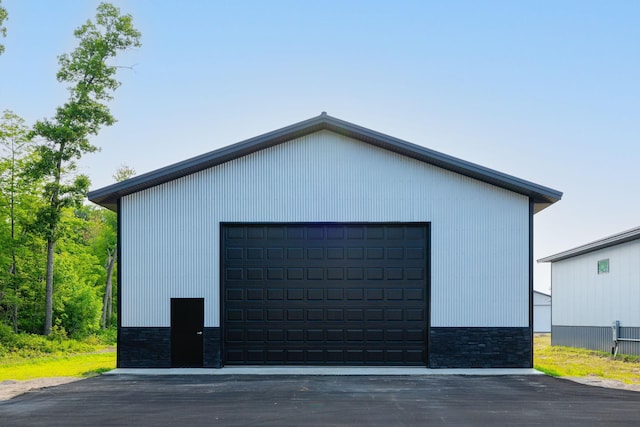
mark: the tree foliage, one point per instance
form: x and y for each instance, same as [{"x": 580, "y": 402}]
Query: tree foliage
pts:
[
  {"x": 3, "y": 30},
  {"x": 43, "y": 214},
  {"x": 66, "y": 136},
  {"x": 18, "y": 200}
]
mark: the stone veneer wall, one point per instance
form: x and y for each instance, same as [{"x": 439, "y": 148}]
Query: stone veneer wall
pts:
[
  {"x": 448, "y": 348},
  {"x": 151, "y": 348},
  {"x": 480, "y": 348}
]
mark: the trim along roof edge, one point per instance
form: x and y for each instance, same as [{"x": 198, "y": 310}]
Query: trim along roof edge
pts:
[
  {"x": 108, "y": 196},
  {"x": 613, "y": 240}
]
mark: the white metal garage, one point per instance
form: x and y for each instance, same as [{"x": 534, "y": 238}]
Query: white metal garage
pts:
[
  {"x": 478, "y": 269},
  {"x": 594, "y": 286}
]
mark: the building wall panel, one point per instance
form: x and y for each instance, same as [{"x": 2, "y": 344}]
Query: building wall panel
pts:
[
  {"x": 582, "y": 297},
  {"x": 595, "y": 338},
  {"x": 479, "y": 232},
  {"x": 541, "y": 312}
]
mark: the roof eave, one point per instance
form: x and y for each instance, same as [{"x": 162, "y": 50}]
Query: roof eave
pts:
[
  {"x": 108, "y": 196},
  {"x": 607, "y": 242}
]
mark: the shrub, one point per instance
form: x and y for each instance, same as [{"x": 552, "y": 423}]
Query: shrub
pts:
[{"x": 31, "y": 345}]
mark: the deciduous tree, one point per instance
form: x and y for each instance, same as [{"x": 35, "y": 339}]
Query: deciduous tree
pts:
[
  {"x": 14, "y": 139},
  {"x": 124, "y": 172},
  {"x": 66, "y": 136}
]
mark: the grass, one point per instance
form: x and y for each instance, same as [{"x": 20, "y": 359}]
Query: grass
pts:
[
  {"x": 26, "y": 356},
  {"x": 552, "y": 360},
  {"x": 575, "y": 362},
  {"x": 76, "y": 365}
]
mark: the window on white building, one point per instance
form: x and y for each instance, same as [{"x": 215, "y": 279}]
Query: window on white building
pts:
[{"x": 603, "y": 266}]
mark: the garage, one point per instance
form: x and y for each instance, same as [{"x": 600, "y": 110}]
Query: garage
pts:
[
  {"x": 336, "y": 294},
  {"x": 325, "y": 243}
]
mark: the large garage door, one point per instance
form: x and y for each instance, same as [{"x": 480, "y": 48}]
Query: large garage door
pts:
[{"x": 324, "y": 294}]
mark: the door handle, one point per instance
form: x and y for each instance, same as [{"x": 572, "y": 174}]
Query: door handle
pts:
[{"x": 199, "y": 333}]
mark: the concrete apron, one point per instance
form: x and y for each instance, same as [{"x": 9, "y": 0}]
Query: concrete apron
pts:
[{"x": 319, "y": 370}]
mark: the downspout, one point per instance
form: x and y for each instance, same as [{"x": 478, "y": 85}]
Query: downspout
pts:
[{"x": 531, "y": 210}]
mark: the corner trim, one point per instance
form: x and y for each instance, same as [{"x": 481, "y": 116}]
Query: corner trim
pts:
[
  {"x": 119, "y": 277},
  {"x": 531, "y": 212}
]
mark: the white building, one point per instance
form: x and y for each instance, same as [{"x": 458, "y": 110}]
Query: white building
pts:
[
  {"x": 595, "y": 285},
  {"x": 541, "y": 312},
  {"x": 325, "y": 243}
]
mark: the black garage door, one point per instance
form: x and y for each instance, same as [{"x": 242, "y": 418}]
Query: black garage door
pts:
[{"x": 324, "y": 294}]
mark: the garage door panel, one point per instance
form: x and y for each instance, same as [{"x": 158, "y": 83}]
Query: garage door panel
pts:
[
  {"x": 334, "y": 356},
  {"x": 318, "y": 316},
  {"x": 324, "y": 294}
]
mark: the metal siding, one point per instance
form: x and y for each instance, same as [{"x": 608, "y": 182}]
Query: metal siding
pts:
[
  {"x": 480, "y": 233},
  {"x": 541, "y": 312},
  {"x": 595, "y": 338},
  {"x": 541, "y": 318},
  {"x": 582, "y": 297}
]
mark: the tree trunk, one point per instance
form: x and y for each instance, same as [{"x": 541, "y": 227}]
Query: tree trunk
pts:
[
  {"x": 51, "y": 241},
  {"x": 48, "y": 318},
  {"x": 16, "y": 296},
  {"x": 14, "y": 270},
  {"x": 108, "y": 291}
]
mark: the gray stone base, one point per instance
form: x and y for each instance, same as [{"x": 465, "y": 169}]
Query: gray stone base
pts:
[
  {"x": 151, "y": 348},
  {"x": 480, "y": 348}
]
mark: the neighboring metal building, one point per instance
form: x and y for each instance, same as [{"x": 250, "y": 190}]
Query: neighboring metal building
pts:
[
  {"x": 594, "y": 286},
  {"x": 325, "y": 243},
  {"x": 541, "y": 312}
]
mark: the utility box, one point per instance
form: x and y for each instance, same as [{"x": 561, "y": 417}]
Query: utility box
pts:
[{"x": 615, "y": 330}]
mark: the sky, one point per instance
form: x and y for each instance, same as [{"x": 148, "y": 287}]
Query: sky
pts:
[{"x": 547, "y": 91}]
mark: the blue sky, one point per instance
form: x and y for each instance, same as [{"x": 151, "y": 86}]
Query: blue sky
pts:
[{"x": 548, "y": 91}]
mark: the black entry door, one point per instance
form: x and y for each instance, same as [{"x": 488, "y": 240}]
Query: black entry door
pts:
[{"x": 187, "y": 325}]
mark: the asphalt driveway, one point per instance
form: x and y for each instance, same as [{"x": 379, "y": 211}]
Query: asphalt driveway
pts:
[{"x": 240, "y": 400}]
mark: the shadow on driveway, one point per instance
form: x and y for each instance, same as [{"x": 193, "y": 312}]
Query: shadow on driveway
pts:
[{"x": 322, "y": 400}]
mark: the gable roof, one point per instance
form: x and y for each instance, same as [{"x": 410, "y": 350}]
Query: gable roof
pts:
[
  {"x": 615, "y": 239},
  {"x": 108, "y": 196}
]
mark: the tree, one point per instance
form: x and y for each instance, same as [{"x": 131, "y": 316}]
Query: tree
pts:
[
  {"x": 66, "y": 135},
  {"x": 78, "y": 274},
  {"x": 3, "y": 30},
  {"x": 14, "y": 137},
  {"x": 124, "y": 172}
]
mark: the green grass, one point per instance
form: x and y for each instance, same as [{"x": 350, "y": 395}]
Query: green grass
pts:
[
  {"x": 28, "y": 356},
  {"x": 66, "y": 358},
  {"x": 575, "y": 362},
  {"x": 76, "y": 365}
]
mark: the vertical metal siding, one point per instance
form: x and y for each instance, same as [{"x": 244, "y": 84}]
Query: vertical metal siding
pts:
[
  {"x": 595, "y": 338},
  {"x": 479, "y": 231},
  {"x": 541, "y": 312},
  {"x": 541, "y": 318},
  {"x": 582, "y": 297}
]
